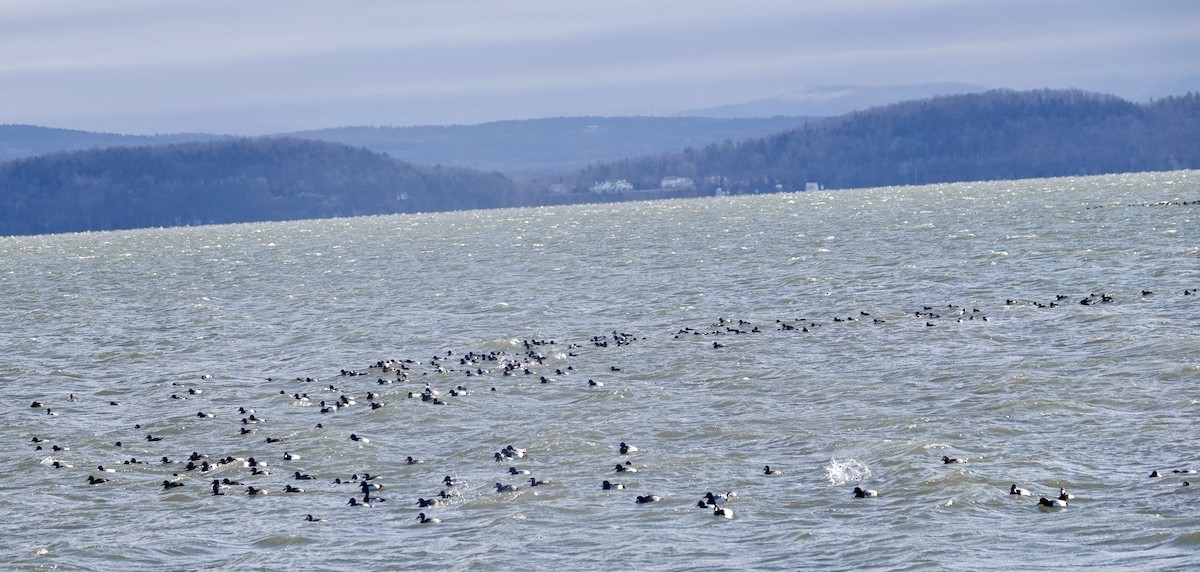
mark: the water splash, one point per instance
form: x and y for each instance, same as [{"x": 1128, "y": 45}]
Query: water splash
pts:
[{"x": 842, "y": 471}]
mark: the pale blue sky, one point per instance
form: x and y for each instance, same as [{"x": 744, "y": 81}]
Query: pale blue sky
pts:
[{"x": 254, "y": 67}]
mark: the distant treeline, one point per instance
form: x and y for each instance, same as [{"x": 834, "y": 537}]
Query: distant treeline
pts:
[
  {"x": 229, "y": 181},
  {"x": 993, "y": 135},
  {"x": 998, "y": 134}
]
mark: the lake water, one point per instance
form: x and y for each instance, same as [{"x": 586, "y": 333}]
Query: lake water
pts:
[{"x": 839, "y": 337}]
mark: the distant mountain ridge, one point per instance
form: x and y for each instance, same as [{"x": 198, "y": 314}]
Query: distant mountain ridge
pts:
[
  {"x": 514, "y": 147},
  {"x": 999, "y": 134},
  {"x": 20, "y": 141},
  {"x": 830, "y": 100}
]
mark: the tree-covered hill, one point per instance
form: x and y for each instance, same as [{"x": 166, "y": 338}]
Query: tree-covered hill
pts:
[
  {"x": 999, "y": 134},
  {"x": 228, "y": 181}
]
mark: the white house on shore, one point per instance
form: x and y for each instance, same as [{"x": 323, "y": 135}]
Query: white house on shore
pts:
[{"x": 677, "y": 183}]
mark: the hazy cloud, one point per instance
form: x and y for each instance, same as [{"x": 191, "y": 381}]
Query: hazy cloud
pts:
[{"x": 136, "y": 66}]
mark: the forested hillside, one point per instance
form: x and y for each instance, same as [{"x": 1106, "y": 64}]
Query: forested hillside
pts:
[
  {"x": 227, "y": 181},
  {"x": 994, "y": 135}
]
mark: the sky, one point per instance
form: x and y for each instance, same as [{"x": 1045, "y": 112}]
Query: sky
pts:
[{"x": 274, "y": 66}]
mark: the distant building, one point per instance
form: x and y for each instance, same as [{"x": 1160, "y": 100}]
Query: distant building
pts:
[
  {"x": 618, "y": 186},
  {"x": 812, "y": 187},
  {"x": 677, "y": 183}
]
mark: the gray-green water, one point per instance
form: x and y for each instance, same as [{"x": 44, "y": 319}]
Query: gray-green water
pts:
[{"x": 1087, "y": 397}]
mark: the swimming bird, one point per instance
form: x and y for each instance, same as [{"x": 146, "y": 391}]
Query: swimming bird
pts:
[
  {"x": 533, "y": 482},
  {"x": 230, "y": 483},
  {"x": 862, "y": 493},
  {"x": 767, "y": 470},
  {"x": 254, "y": 491},
  {"x": 151, "y": 438},
  {"x": 625, "y": 468},
  {"x": 422, "y": 502},
  {"x": 503, "y": 488},
  {"x": 303, "y": 477},
  {"x": 450, "y": 481},
  {"x": 952, "y": 460},
  {"x": 1056, "y": 503},
  {"x": 168, "y": 485},
  {"x": 610, "y": 486},
  {"x": 95, "y": 480},
  {"x": 216, "y": 487},
  {"x": 1154, "y": 475},
  {"x": 311, "y": 518},
  {"x": 516, "y": 471},
  {"x": 722, "y": 512},
  {"x": 354, "y": 502},
  {"x": 648, "y": 499},
  {"x": 626, "y": 449},
  {"x": 719, "y": 498},
  {"x": 1019, "y": 492},
  {"x": 1064, "y": 495},
  {"x": 290, "y": 457},
  {"x": 355, "y": 437},
  {"x": 427, "y": 520}
]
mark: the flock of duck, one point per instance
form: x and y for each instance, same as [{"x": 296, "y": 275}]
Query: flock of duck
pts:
[{"x": 222, "y": 475}]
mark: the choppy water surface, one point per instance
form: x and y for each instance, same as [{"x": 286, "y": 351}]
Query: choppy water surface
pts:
[{"x": 839, "y": 337}]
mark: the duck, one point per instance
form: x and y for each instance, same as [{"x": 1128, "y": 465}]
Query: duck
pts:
[
  {"x": 722, "y": 512},
  {"x": 291, "y": 489},
  {"x": 719, "y": 498},
  {"x": 1056, "y": 503},
  {"x": 290, "y": 457},
  {"x": 952, "y": 460},
  {"x": 1154, "y": 475},
  {"x": 355, "y": 437},
  {"x": 367, "y": 486},
  {"x": 767, "y": 470},
  {"x": 303, "y": 477},
  {"x": 648, "y": 499},
  {"x": 216, "y": 487},
  {"x": 625, "y": 468},
  {"x": 516, "y": 471},
  {"x": 503, "y": 488},
  {"x": 423, "y": 503},
  {"x": 611, "y": 486},
  {"x": 427, "y": 520},
  {"x": 533, "y": 482},
  {"x": 96, "y": 480},
  {"x": 451, "y": 481},
  {"x": 413, "y": 461},
  {"x": 514, "y": 452},
  {"x": 230, "y": 483},
  {"x": 1019, "y": 492},
  {"x": 354, "y": 502},
  {"x": 311, "y": 518},
  {"x": 1064, "y": 495},
  {"x": 627, "y": 449},
  {"x": 254, "y": 491},
  {"x": 168, "y": 485},
  {"x": 152, "y": 438},
  {"x": 862, "y": 493}
]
